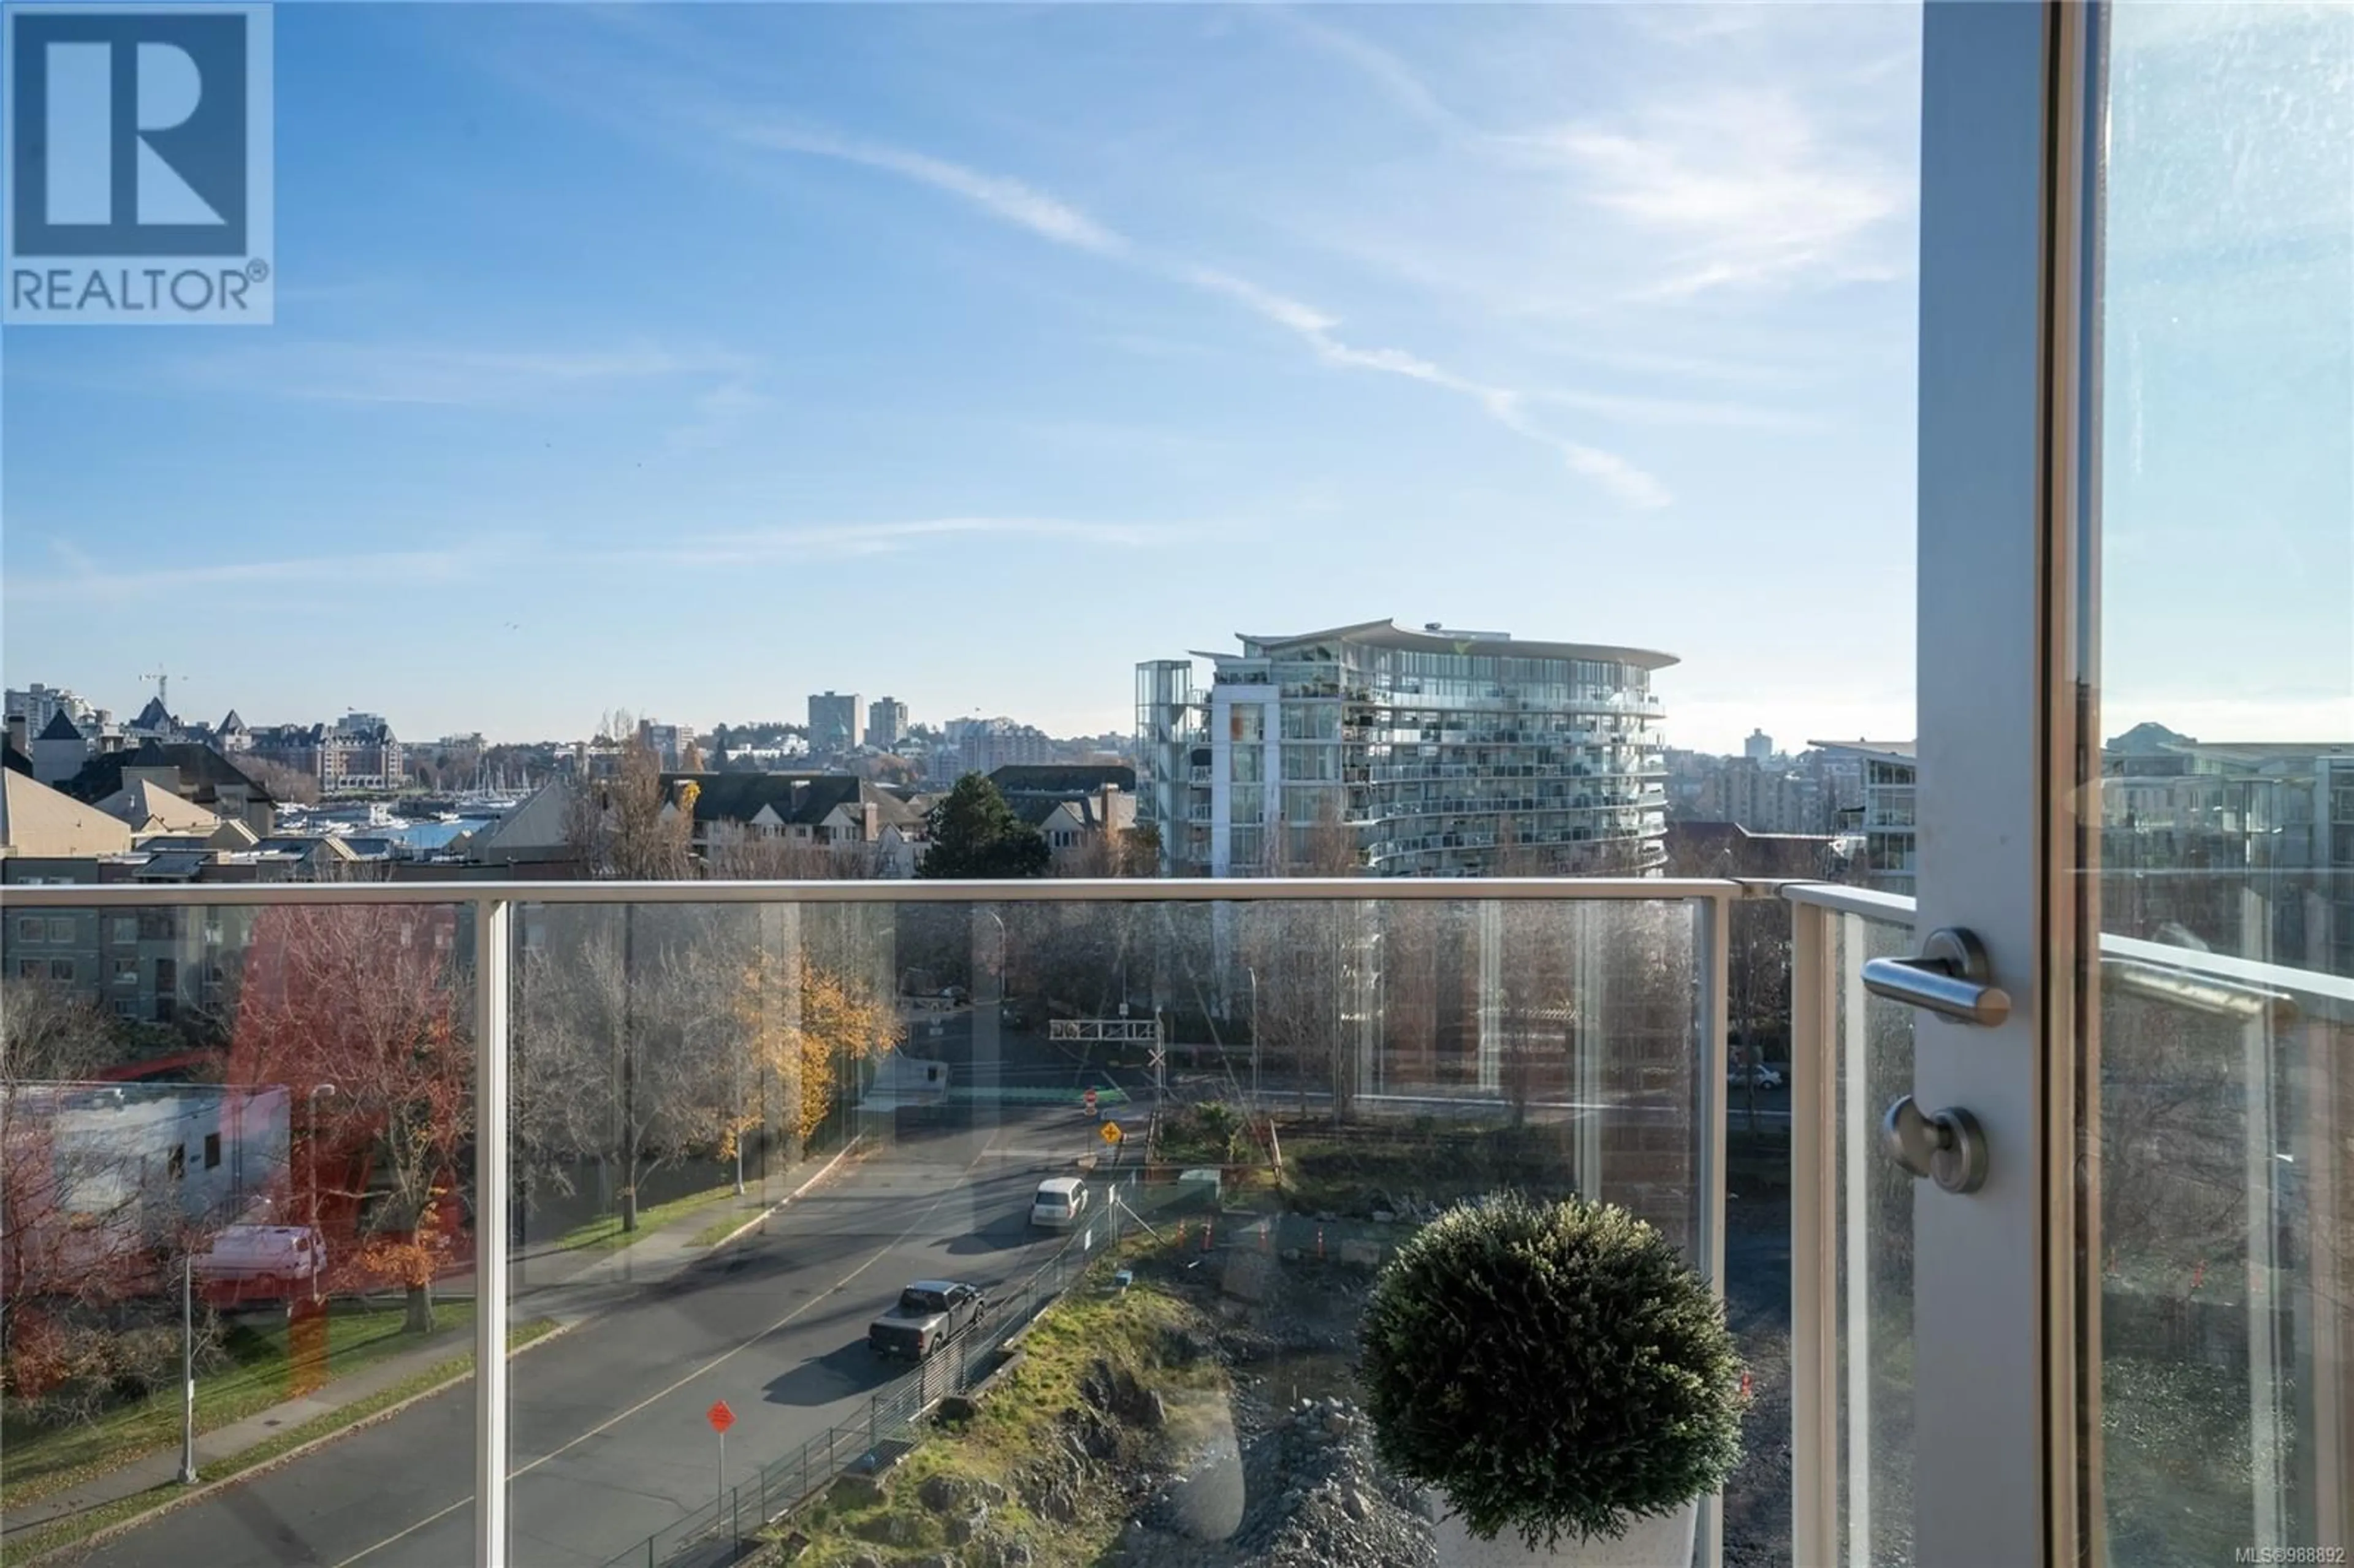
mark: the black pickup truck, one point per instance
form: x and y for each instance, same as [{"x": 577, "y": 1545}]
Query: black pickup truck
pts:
[{"x": 928, "y": 1312}]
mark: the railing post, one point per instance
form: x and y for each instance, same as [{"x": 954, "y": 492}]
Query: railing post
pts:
[
  {"x": 1713, "y": 944},
  {"x": 491, "y": 1204},
  {"x": 1814, "y": 1257}
]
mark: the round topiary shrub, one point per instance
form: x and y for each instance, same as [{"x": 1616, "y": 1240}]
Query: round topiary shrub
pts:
[{"x": 1551, "y": 1369}]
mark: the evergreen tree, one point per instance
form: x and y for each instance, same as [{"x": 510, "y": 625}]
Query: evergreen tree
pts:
[{"x": 975, "y": 835}]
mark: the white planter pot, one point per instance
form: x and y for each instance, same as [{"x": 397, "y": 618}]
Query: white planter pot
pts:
[{"x": 1662, "y": 1543}]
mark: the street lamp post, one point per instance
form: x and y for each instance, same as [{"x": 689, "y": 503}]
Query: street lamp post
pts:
[
  {"x": 1001, "y": 954},
  {"x": 188, "y": 1370},
  {"x": 741, "y": 1129},
  {"x": 1252, "y": 971}
]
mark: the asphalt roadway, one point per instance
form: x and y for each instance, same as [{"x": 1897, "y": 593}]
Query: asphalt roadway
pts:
[{"x": 607, "y": 1432}]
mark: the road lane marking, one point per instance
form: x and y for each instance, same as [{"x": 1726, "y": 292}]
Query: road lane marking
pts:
[{"x": 725, "y": 1356}]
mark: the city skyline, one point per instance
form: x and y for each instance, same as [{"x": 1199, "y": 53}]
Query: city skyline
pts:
[
  {"x": 691, "y": 359},
  {"x": 625, "y": 358}
]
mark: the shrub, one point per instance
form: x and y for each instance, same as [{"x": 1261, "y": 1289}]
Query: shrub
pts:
[{"x": 1551, "y": 1368}]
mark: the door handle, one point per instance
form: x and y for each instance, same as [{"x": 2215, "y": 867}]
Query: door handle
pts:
[
  {"x": 1951, "y": 977},
  {"x": 1947, "y": 1145}
]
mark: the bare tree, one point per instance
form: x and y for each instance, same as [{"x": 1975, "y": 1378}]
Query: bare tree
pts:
[
  {"x": 1297, "y": 957},
  {"x": 629, "y": 826},
  {"x": 285, "y": 784},
  {"x": 1112, "y": 852},
  {"x": 734, "y": 853},
  {"x": 96, "y": 1207},
  {"x": 366, "y": 998},
  {"x": 48, "y": 1032},
  {"x": 625, "y": 1044},
  {"x": 1324, "y": 847}
]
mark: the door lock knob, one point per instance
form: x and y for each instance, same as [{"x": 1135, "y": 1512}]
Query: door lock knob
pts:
[{"x": 1947, "y": 1145}]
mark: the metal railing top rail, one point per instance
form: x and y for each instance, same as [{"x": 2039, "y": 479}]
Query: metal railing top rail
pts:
[
  {"x": 2136, "y": 965},
  {"x": 1870, "y": 903},
  {"x": 1043, "y": 890},
  {"x": 2333, "y": 993}
]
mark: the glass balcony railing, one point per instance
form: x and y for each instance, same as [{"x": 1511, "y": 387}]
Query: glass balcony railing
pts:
[
  {"x": 2224, "y": 1257},
  {"x": 569, "y": 1224}
]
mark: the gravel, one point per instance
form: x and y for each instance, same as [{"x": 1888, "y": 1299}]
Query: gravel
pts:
[{"x": 1303, "y": 1492}]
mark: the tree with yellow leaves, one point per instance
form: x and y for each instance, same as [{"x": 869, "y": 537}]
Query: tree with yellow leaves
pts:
[{"x": 809, "y": 1024}]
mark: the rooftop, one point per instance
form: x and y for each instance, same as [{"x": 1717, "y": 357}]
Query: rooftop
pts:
[{"x": 1435, "y": 638}]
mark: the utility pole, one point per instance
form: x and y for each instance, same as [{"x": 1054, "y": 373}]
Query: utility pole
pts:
[
  {"x": 629, "y": 1070},
  {"x": 1253, "y": 971},
  {"x": 188, "y": 1370}
]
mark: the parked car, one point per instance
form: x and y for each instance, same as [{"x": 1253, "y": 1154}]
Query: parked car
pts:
[
  {"x": 1763, "y": 1076},
  {"x": 1059, "y": 1203},
  {"x": 263, "y": 1261},
  {"x": 927, "y": 1313}
]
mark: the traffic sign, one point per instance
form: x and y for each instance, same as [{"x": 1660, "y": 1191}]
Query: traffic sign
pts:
[
  {"x": 720, "y": 1417},
  {"x": 1111, "y": 1132},
  {"x": 1091, "y": 1102}
]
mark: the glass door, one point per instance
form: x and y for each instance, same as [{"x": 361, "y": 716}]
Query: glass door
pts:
[
  {"x": 2214, "y": 884},
  {"x": 2124, "y": 1324}
]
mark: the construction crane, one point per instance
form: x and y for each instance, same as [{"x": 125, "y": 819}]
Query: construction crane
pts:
[{"x": 162, "y": 679}]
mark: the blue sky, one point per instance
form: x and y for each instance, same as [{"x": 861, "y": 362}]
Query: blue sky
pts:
[{"x": 690, "y": 359}]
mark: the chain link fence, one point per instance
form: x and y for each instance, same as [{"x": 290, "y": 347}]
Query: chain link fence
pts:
[{"x": 725, "y": 1530}]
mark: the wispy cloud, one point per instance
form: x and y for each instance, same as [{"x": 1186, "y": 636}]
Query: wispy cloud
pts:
[
  {"x": 1005, "y": 198},
  {"x": 1386, "y": 72},
  {"x": 351, "y": 372},
  {"x": 794, "y": 543},
  {"x": 1063, "y": 224},
  {"x": 720, "y": 415},
  {"x": 1633, "y": 408},
  {"x": 1507, "y": 406},
  {"x": 1743, "y": 191},
  {"x": 83, "y": 579},
  {"x": 1741, "y": 183},
  {"x": 87, "y": 580}
]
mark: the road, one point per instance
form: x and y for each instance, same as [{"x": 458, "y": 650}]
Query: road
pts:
[{"x": 608, "y": 1436}]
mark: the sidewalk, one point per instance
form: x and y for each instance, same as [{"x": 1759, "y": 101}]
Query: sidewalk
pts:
[{"x": 569, "y": 1288}]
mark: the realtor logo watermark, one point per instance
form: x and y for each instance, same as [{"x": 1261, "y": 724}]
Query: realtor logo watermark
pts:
[{"x": 138, "y": 165}]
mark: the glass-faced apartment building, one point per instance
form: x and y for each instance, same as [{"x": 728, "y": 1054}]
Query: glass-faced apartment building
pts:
[{"x": 1406, "y": 753}]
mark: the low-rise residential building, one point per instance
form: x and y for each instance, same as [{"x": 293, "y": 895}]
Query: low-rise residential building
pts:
[
  {"x": 194, "y": 773},
  {"x": 1080, "y": 810},
  {"x": 736, "y": 814},
  {"x": 59, "y": 748},
  {"x": 38, "y": 822},
  {"x": 146, "y": 807}
]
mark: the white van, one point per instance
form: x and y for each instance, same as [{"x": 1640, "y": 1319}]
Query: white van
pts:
[
  {"x": 1059, "y": 1203},
  {"x": 265, "y": 1262}
]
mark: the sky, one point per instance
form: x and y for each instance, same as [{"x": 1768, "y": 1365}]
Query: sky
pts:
[{"x": 688, "y": 359}]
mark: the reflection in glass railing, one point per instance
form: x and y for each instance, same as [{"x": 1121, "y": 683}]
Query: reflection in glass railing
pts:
[
  {"x": 1871, "y": 1066},
  {"x": 238, "y": 1201},
  {"x": 1011, "y": 1230},
  {"x": 2225, "y": 1261}
]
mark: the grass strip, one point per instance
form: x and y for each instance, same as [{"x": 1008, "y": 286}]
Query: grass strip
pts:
[{"x": 81, "y": 1526}]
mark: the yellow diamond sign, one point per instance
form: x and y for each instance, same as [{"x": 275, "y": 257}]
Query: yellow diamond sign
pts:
[{"x": 1111, "y": 1133}]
